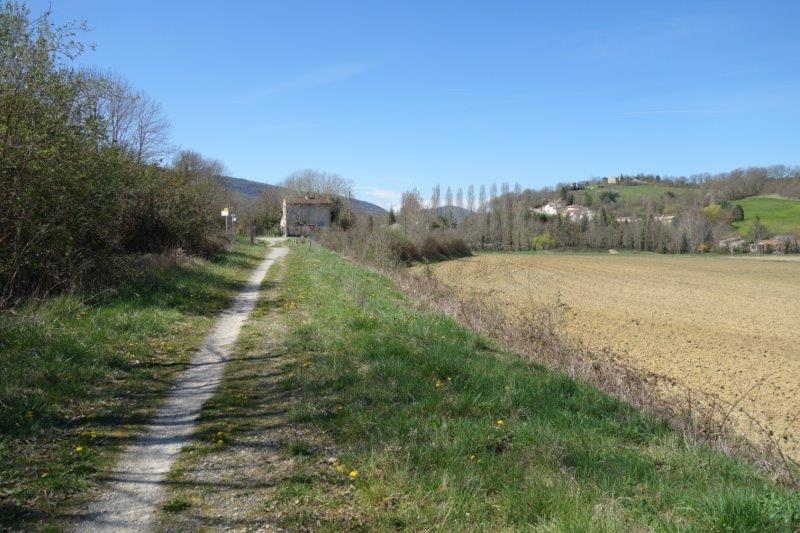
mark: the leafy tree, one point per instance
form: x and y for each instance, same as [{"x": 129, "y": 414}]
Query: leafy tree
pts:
[
  {"x": 609, "y": 197},
  {"x": 737, "y": 213}
]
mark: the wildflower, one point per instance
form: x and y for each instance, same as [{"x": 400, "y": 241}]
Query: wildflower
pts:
[
  {"x": 500, "y": 423},
  {"x": 78, "y": 449},
  {"x": 353, "y": 474},
  {"x": 472, "y": 457},
  {"x": 29, "y": 414},
  {"x": 439, "y": 383},
  {"x": 340, "y": 468}
]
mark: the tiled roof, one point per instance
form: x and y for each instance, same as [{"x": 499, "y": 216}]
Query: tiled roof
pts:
[{"x": 309, "y": 200}]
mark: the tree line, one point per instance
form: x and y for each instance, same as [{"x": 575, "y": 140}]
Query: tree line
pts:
[{"x": 690, "y": 214}]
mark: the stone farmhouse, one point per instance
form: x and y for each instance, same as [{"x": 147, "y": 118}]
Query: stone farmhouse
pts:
[{"x": 304, "y": 214}]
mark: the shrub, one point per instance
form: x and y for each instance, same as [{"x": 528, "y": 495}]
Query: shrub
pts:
[
  {"x": 431, "y": 249},
  {"x": 543, "y": 241},
  {"x": 388, "y": 246},
  {"x": 74, "y": 200}
]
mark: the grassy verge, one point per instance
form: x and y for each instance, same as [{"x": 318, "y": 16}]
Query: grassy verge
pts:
[
  {"x": 78, "y": 375},
  {"x": 420, "y": 424}
]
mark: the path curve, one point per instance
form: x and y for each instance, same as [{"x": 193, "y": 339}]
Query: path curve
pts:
[{"x": 134, "y": 490}]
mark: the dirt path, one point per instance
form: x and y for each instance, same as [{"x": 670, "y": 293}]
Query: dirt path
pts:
[
  {"x": 230, "y": 477},
  {"x": 135, "y": 487}
]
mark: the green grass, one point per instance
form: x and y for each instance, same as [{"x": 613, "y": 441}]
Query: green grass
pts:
[
  {"x": 635, "y": 193},
  {"x": 77, "y": 375},
  {"x": 175, "y": 505},
  {"x": 446, "y": 433},
  {"x": 779, "y": 215}
]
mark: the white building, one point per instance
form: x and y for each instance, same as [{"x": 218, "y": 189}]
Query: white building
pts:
[{"x": 573, "y": 212}]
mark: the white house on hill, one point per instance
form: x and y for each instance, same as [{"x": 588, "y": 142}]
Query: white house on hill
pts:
[{"x": 573, "y": 212}]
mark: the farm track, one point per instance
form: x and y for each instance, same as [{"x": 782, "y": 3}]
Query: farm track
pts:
[
  {"x": 716, "y": 324},
  {"x": 135, "y": 487}
]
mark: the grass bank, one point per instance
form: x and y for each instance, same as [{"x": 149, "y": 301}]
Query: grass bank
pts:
[
  {"x": 778, "y": 214},
  {"x": 79, "y": 374},
  {"x": 420, "y": 424}
]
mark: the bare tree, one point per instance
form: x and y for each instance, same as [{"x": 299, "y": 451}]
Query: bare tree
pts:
[
  {"x": 150, "y": 131},
  {"x": 116, "y": 104},
  {"x": 436, "y": 196},
  {"x": 311, "y": 181},
  {"x": 482, "y": 198},
  {"x": 132, "y": 119},
  {"x": 448, "y": 197},
  {"x": 471, "y": 198},
  {"x": 460, "y": 197},
  {"x": 410, "y": 209}
]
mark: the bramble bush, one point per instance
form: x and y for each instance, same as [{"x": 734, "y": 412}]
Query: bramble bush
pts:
[{"x": 76, "y": 197}]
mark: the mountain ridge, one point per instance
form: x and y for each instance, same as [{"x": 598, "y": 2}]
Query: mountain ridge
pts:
[{"x": 253, "y": 189}]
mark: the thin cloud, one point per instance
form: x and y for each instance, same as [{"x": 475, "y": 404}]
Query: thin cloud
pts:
[
  {"x": 319, "y": 77},
  {"x": 383, "y": 197},
  {"x": 655, "y": 112}
]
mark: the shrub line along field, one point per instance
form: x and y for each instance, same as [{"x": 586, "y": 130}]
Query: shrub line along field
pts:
[{"x": 714, "y": 324}]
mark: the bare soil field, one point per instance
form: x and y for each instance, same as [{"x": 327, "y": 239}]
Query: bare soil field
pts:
[{"x": 724, "y": 326}]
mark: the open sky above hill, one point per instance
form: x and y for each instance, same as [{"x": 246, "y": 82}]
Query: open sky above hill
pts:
[{"x": 404, "y": 94}]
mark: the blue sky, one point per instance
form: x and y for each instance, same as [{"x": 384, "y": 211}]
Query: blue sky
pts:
[{"x": 401, "y": 94}]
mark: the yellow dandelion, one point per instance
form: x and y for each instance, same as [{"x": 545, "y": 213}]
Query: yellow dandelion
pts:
[
  {"x": 471, "y": 457},
  {"x": 340, "y": 468},
  {"x": 439, "y": 383},
  {"x": 500, "y": 423},
  {"x": 78, "y": 449},
  {"x": 353, "y": 474}
]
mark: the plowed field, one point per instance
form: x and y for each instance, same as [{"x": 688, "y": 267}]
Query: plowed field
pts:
[{"x": 717, "y": 324}]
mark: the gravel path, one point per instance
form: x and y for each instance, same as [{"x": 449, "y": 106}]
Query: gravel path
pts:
[{"x": 135, "y": 488}]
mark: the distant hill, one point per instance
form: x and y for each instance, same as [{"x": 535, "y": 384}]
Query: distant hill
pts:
[
  {"x": 453, "y": 212},
  {"x": 253, "y": 189}
]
